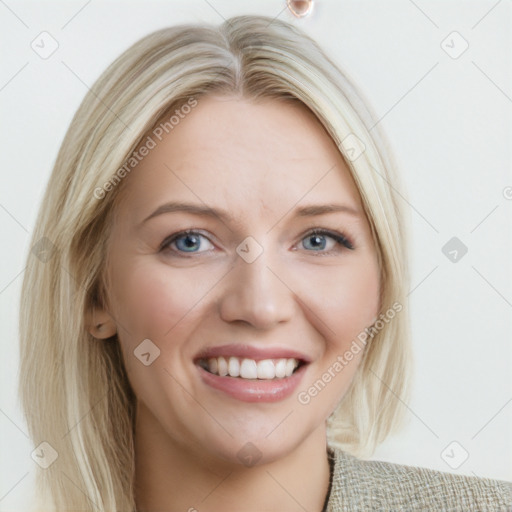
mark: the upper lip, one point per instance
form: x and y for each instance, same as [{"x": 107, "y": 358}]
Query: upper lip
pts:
[{"x": 251, "y": 352}]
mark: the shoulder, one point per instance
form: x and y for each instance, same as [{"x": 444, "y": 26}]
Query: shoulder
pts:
[{"x": 375, "y": 485}]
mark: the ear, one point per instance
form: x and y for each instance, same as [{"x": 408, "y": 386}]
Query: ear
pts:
[{"x": 100, "y": 324}]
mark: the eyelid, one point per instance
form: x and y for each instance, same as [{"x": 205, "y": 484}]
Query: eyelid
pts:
[
  {"x": 343, "y": 241},
  {"x": 171, "y": 238},
  {"x": 341, "y": 238}
]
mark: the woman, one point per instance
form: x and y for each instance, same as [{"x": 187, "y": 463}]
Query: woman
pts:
[{"x": 218, "y": 319}]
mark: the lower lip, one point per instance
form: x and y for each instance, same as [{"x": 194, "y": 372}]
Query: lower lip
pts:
[{"x": 254, "y": 390}]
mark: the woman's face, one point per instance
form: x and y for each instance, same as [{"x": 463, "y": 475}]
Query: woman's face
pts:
[{"x": 249, "y": 286}]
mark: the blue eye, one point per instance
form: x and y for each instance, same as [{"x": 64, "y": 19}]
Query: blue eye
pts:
[
  {"x": 186, "y": 241},
  {"x": 317, "y": 241},
  {"x": 319, "y": 237}
]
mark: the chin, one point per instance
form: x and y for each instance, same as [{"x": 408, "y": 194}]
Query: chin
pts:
[{"x": 249, "y": 447}]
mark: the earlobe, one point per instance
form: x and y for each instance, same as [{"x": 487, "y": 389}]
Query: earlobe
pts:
[{"x": 100, "y": 324}]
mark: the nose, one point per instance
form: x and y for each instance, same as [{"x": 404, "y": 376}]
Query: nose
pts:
[{"x": 256, "y": 294}]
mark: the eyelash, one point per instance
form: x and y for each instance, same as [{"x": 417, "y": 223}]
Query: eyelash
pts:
[{"x": 339, "y": 238}]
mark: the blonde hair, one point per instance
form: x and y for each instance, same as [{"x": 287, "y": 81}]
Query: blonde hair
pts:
[{"x": 74, "y": 389}]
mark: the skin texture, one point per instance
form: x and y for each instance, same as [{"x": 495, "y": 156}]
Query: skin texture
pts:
[{"x": 259, "y": 161}]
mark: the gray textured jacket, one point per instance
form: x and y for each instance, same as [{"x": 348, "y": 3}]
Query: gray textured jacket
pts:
[{"x": 360, "y": 486}]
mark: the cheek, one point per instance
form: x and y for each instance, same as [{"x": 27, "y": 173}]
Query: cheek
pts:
[
  {"x": 154, "y": 301},
  {"x": 151, "y": 298},
  {"x": 344, "y": 301},
  {"x": 343, "y": 304}
]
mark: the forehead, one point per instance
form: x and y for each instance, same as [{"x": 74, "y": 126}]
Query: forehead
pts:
[{"x": 251, "y": 157}]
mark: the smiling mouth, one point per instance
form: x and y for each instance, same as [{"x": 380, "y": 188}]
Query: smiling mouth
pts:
[{"x": 250, "y": 369}]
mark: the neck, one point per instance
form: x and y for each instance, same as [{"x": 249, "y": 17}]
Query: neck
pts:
[{"x": 172, "y": 476}]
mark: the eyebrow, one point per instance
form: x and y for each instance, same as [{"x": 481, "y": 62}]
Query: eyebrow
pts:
[{"x": 225, "y": 216}]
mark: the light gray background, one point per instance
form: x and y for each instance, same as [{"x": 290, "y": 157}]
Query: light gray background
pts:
[{"x": 449, "y": 120}]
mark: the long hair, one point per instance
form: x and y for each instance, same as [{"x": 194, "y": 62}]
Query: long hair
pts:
[{"x": 74, "y": 388}]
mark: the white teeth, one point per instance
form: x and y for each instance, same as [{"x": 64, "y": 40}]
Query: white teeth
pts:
[
  {"x": 246, "y": 368},
  {"x": 290, "y": 366},
  {"x": 234, "y": 367},
  {"x": 281, "y": 368},
  {"x": 266, "y": 369},
  {"x": 222, "y": 365},
  {"x": 213, "y": 365}
]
